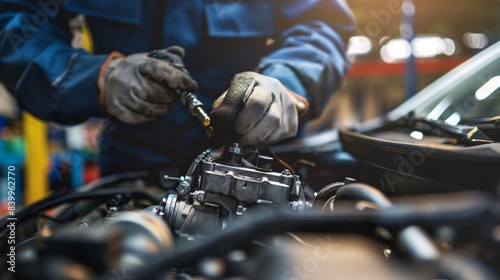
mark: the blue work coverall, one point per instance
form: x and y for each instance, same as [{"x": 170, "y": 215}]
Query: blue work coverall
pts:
[{"x": 299, "y": 42}]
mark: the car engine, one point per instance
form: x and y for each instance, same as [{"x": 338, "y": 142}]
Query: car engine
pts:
[
  {"x": 240, "y": 214},
  {"x": 214, "y": 193}
]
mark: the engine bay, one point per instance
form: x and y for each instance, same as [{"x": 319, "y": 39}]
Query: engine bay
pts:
[{"x": 239, "y": 213}]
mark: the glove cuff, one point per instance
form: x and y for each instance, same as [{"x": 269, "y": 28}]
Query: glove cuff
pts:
[
  {"x": 102, "y": 74},
  {"x": 299, "y": 98}
]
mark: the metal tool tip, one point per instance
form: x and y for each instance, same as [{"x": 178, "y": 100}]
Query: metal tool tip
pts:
[{"x": 206, "y": 122}]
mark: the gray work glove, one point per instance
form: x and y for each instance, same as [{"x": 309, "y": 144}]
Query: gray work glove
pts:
[
  {"x": 258, "y": 110},
  {"x": 138, "y": 88}
]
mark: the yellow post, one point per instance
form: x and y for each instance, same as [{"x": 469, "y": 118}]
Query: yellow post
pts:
[
  {"x": 37, "y": 149},
  {"x": 87, "y": 41},
  {"x": 37, "y": 159}
]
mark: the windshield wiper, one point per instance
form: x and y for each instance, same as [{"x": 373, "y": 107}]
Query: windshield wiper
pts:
[{"x": 464, "y": 134}]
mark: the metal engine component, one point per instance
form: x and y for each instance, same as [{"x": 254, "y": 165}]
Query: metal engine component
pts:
[
  {"x": 246, "y": 185},
  {"x": 144, "y": 235},
  {"x": 214, "y": 191},
  {"x": 128, "y": 239},
  {"x": 189, "y": 218}
]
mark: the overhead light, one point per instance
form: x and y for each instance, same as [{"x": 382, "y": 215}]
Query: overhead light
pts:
[
  {"x": 421, "y": 47},
  {"x": 476, "y": 40},
  {"x": 432, "y": 46},
  {"x": 450, "y": 48},
  {"x": 395, "y": 50},
  {"x": 359, "y": 45},
  {"x": 427, "y": 46},
  {"x": 408, "y": 8}
]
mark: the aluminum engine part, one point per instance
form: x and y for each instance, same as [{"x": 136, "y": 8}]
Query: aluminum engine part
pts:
[
  {"x": 247, "y": 185},
  {"x": 192, "y": 219},
  {"x": 212, "y": 194},
  {"x": 144, "y": 236}
]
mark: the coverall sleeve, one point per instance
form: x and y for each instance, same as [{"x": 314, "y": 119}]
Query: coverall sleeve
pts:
[
  {"x": 48, "y": 77},
  {"x": 310, "y": 59}
]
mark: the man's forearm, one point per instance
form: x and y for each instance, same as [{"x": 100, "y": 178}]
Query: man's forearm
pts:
[
  {"x": 311, "y": 59},
  {"x": 48, "y": 77}
]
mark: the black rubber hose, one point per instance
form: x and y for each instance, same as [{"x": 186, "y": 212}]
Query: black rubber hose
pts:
[
  {"x": 86, "y": 192},
  {"x": 325, "y": 194},
  {"x": 360, "y": 191},
  {"x": 107, "y": 182},
  {"x": 413, "y": 239},
  {"x": 51, "y": 202},
  {"x": 468, "y": 208},
  {"x": 112, "y": 180}
]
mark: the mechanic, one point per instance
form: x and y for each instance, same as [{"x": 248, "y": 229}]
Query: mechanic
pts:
[{"x": 273, "y": 62}]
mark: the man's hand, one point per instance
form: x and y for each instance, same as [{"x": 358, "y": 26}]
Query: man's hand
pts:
[
  {"x": 138, "y": 88},
  {"x": 258, "y": 110}
]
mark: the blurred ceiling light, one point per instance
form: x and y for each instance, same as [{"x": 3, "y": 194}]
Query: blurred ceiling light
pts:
[
  {"x": 417, "y": 135},
  {"x": 454, "y": 119},
  {"x": 359, "y": 45},
  {"x": 450, "y": 48},
  {"x": 431, "y": 46},
  {"x": 488, "y": 88},
  {"x": 408, "y": 8},
  {"x": 384, "y": 40},
  {"x": 421, "y": 47},
  {"x": 475, "y": 40},
  {"x": 394, "y": 50},
  {"x": 427, "y": 46}
]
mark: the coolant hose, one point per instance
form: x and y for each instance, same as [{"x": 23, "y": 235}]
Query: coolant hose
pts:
[{"x": 413, "y": 239}]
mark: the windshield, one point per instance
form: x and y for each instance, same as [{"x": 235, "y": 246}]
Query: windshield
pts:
[{"x": 473, "y": 97}]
